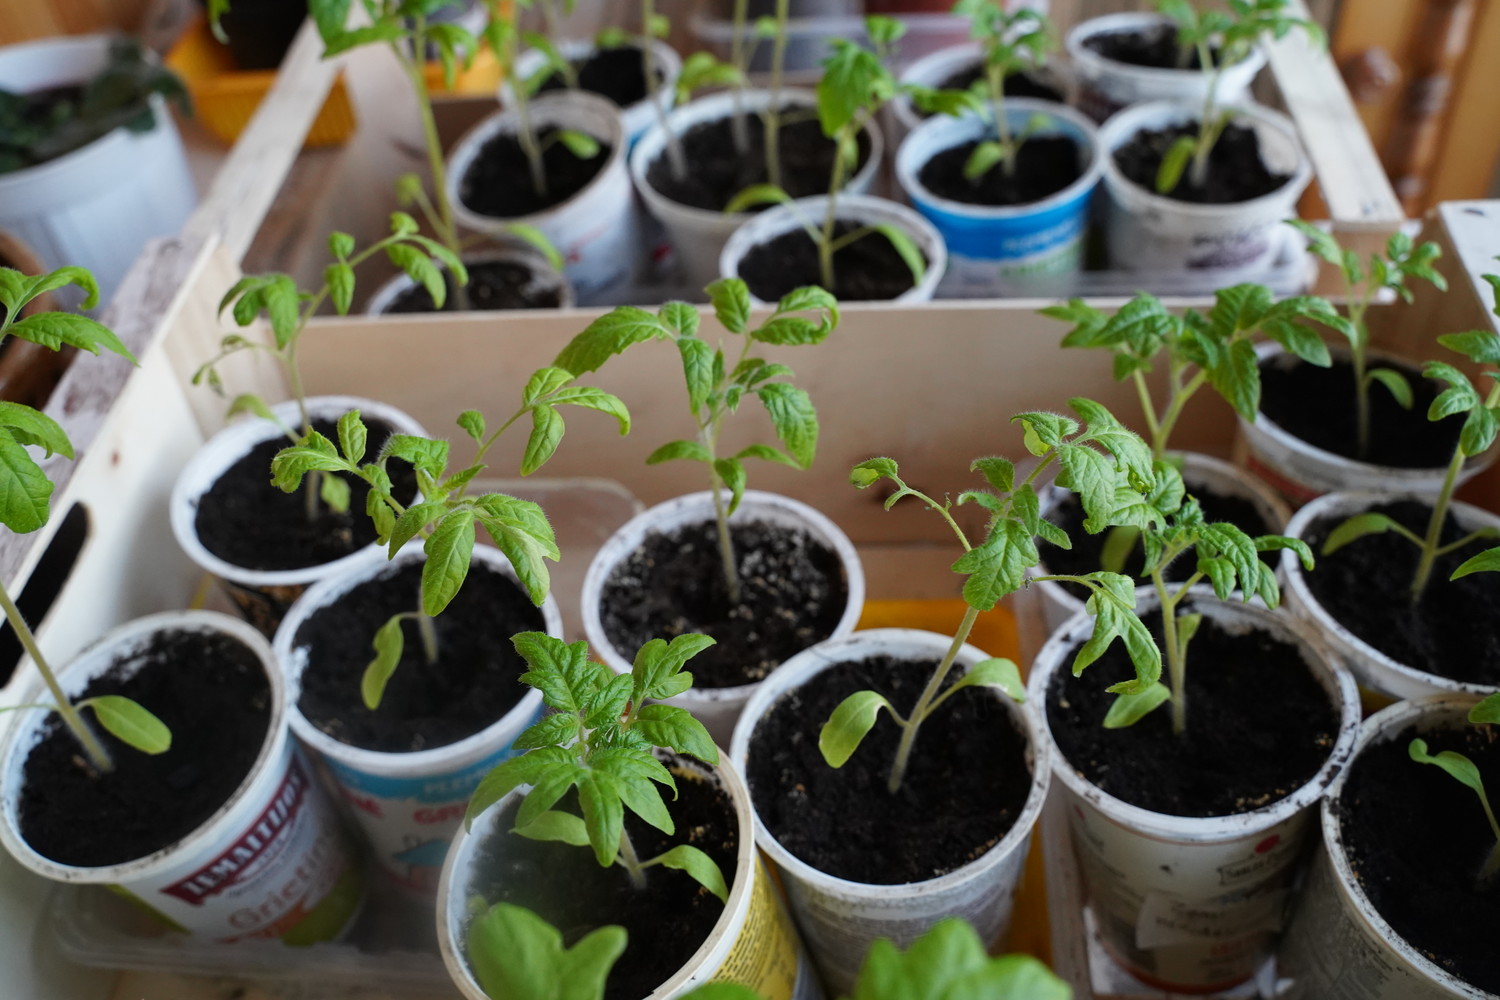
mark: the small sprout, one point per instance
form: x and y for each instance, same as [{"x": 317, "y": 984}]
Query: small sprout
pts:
[{"x": 1462, "y": 770}]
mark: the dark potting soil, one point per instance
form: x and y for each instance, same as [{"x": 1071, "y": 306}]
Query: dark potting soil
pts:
[
  {"x": 492, "y": 285},
  {"x": 498, "y": 181},
  {"x": 1416, "y": 839},
  {"x": 966, "y": 782},
  {"x": 1044, "y": 166},
  {"x": 246, "y": 521},
  {"x": 211, "y": 691},
  {"x": 869, "y": 269},
  {"x": 1365, "y": 586},
  {"x": 1317, "y": 405},
  {"x": 667, "y": 921},
  {"x": 618, "y": 74},
  {"x": 1154, "y": 47},
  {"x": 719, "y": 171},
  {"x": 1236, "y": 171},
  {"x": 1259, "y": 726},
  {"x": 1016, "y": 85},
  {"x": 474, "y": 681},
  {"x": 792, "y": 595}
]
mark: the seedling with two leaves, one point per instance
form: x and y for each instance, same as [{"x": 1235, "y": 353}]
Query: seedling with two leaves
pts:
[
  {"x": 745, "y": 38},
  {"x": 1463, "y": 770}
]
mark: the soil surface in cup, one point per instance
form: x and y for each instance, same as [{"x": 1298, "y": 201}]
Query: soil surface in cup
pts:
[
  {"x": 1317, "y": 405},
  {"x": 966, "y": 782},
  {"x": 1416, "y": 839},
  {"x": 868, "y": 269},
  {"x": 246, "y": 521},
  {"x": 495, "y": 284},
  {"x": 618, "y": 74},
  {"x": 498, "y": 181},
  {"x": 211, "y": 691},
  {"x": 1044, "y": 166},
  {"x": 1154, "y": 47},
  {"x": 667, "y": 921},
  {"x": 1039, "y": 85},
  {"x": 1366, "y": 587},
  {"x": 792, "y": 594},
  {"x": 473, "y": 682},
  {"x": 42, "y": 110},
  {"x": 1236, "y": 171},
  {"x": 718, "y": 170},
  {"x": 1259, "y": 726}
]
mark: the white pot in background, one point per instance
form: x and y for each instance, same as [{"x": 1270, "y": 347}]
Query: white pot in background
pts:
[
  {"x": 544, "y": 278},
  {"x": 1146, "y": 230},
  {"x": 840, "y": 918},
  {"x": 717, "y": 708},
  {"x": 936, "y": 67},
  {"x": 637, "y": 117}
]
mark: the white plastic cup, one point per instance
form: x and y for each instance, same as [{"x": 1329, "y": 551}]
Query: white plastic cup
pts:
[
  {"x": 597, "y": 231},
  {"x": 698, "y": 235},
  {"x": 1148, "y": 231},
  {"x": 1338, "y": 946},
  {"x": 988, "y": 244},
  {"x": 753, "y": 943},
  {"x": 935, "y": 68},
  {"x": 263, "y": 596},
  {"x": 859, "y": 209},
  {"x": 272, "y": 857},
  {"x": 408, "y": 805},
  {"x": 544, "y": 278},
  {"x": 636, "y": 118},
  {"x": 1193, "y": 903},
  {"x": 840, "y": 918},
  {"x": 717, "y": 708},
  {"x": 1372, "y": 668},
  {"x": 1105, "y": 86}
]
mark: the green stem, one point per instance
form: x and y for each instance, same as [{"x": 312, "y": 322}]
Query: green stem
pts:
[
  {"x": 830, "y": 216},
  {"x": 1177, "y": 669},
  {"x": 772, "y": 118},
  {"x": 929, "y": 693},
  {"x": 630, "y": 862},
  {"x": 428, "y": 633},
  {"x": 1360, "y": 363},
  {"x": 738, "y": 125},
  {"x": 1148, "y": 411},
  {"x": 1208, "y": 130},
  {"x": 1180, "y": 395},
  {"x": 1435, "y": 526},
  {"x": 1008, "y": 152},
  {"x": 676, "y": 157},
  {"x": 444, "y": 224}
]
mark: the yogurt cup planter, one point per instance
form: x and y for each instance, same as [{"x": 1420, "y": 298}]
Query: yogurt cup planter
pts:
[
  {"x": 1107, "y": 85},
  {"x": 1373, "y": 669},
  {"x": 1185, "y": 903},
  {"x": 596, "y": 230},
  {"x": 262, "y": 596},
  {"x": 936, "y": 68},
  {"x": 408, "y": 805},
  {"x": 545, "y": 282},
  {"x": 270, "y": 862},
  {"x": 635, "y": 118},
  {"x": 698, "y": 235},
  {"x": 1339, "y": 944},
  {"x": 858, "y": 210},
  {"x": 988, "y": 244},
  {"x": 840, "y": 918},
  {"x": 1238, "y": 239}
]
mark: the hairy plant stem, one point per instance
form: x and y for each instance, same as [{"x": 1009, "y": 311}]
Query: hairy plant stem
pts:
[
  {"x": 1176, "y": 661},
  {"x": 676, "y": 157},
  {"x": 428, "y": 633},
  {"x": 708, "y": 436},
  {"x": 771, "y": 120},
  {"x": 1360, "y": 365},
  {"x": 1009, "y": 154},
  {"x": 631, "y": 863},
  {"x": 1435, "y": 526},
  {"x": 739, "y": 128},
  {"x": 1160, "y": 426},
  {"x": 845, "y": 139},
  {"x": 1209, "y": 127}
]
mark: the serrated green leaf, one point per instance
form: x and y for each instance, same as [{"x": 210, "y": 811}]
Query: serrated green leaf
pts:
[
  {"x": 670, "y": 726},
  {"x": 54, "y": 330},
  {"x": 560, "y": 670},
  {"x": 427, "y": 454},
  {"x": 1480, "y": 346},
  {"x": 731, "y": 302},
  {"x": 607, "y": 336},
  {"x": 681, "y": 317},
  {"x": 449, "y": 548},
  {"x": 997, "y": 566},
  {"x": 698, "y": 371},
  {"x": 353, "y": 436},
  {"x": 607, "y": 704},
  {"x": 603, "y": 814},
  {"x": 557, "y": 730},
  {"x": 794, "y": 418}
]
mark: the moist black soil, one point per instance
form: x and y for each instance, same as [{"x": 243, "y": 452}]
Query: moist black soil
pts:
[
  {"x": 718, "y": 170},
  {"x": 34, "y": 117},
  {"x": 1259, "y": 726},
  {"x": 792, "y": 594},
  {"x": 1154, "y": 47},
  {"x": 246, "y": 521},
  {"x": 212, "y": 692},
  {"x": 618, "y": 74},
  {"x": 1317, "y": 405},
  {"x": 667, "y": 921},
  {"x": 473, "y": 682},
  {"x": 1366, "y": 584},
  {"x": 1035, "y": 85},
  {"x": 1236, "y": 171},
  {"x": 869, "y": 269},
  {"x": 1044, "y": 166},
  {"x": 966, "y": 781},
  {"x": 492, "y": 285},
  {"x": 1416, "y": 839},
  {"x": 498, "y": 181}
]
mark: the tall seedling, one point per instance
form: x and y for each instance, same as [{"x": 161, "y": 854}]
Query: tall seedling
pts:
[
  {"x": 1011, "y": 42},
  {"x": 1463, "y": 770}
]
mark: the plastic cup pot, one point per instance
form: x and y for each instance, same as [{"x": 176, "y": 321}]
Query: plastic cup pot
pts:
[
  {"x": 718, "y": 708},
  {"x": 841, "y": 918},
  {"x": 270, "y": 862},
  {"x": 634, "y": 118},
  {"x": 1186, "y": 903},
  {"x": 545, "y": 282},
  {"x": 263, "y": 595},
  {"x": 938, "y": 67}
]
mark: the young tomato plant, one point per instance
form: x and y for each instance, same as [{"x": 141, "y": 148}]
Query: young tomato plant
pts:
[
  {"x": 600, "y": 741},
  {"x": 1462, "y": 769},
  {"x": 1104, "y": 464},
  {"x": 716, "y": 385},
  {"x": 1363, "y": 281},
  {"x": 1230, "y": 34},
  {"x": 1011, "y": 43},
  {"x": 950, "y": 960},
  {"x": 517, "y": 955},
  {"x": 447, "y": 518},
  {"x": 26, "y": 498}
]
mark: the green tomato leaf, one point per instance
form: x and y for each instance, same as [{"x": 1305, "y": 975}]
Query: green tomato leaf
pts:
[
  {"x": 1485, "y": 562},
  {"x": 607, "y": 336},
  {"x": 29, "y": 426},
  {"x": 25, "y": 491},
  {"x": 690, "y": 450},
  {"x": 1395, "y": 383},
  {"x": 850, "y": 722},
  {"x": 1128, "y": 709},
  {"x": 906, "y": 248},
  {"x": 1173, "y": 163},
  {"x": 996, "y": 673},
  {"x": 731, "y": 302},
  {"x": 556, "y": 730},
  {"x": 560, "y": 670},
  {"x": 353, "y": 436},
  {"x": 557, "y": 826},
  {"x": 732, "y": 473},
  {"x": 1356, "y": 527},
  {"x": 130, "y": 722},
  {"x": 517, "y": 955},
  {"x": 792, "y": 415},
  {"x": 689, "y": 859},
  {"x": 670, "y": 726},
  {"x": 698, "y": 371},
  {"x": 997, "y": 566},
  {"x": 603, "y": 814},
  {"x": 389, "y": 644},
  {"x": 449, "y": 548}
]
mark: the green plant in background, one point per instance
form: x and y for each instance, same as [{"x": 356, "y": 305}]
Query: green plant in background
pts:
[
  {"x": 1012, "y": 42},
  {"x": 950, "y": 962},
  {"x": 517, "y": 955},
  {"x": 774, "y": 29},
  {"x": 26, "y": 498},
  {"x": 1230, "y": 35},
  {"x": 1106, "y": 465},
  {"x": 1363, "y": 281},
  {"x": 1463, "y": 770},
  {"x": 717, "y": 384}
]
